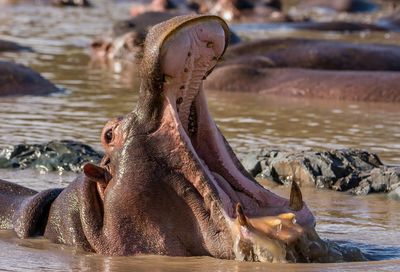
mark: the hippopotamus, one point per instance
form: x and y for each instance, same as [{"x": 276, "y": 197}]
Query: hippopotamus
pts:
[
  {"x": 71, "y": 3},
  {"x": 8, "y": 46},
  {"x": 169, "y": 182},
  {"x": 369, "y": 86},
  {"x": 314, "y": 54},
  {"x": 338, "y": 26},
  {"x": 335, "y": 6},
  {"x": 17, "y": 79},
  {"x": 310, "y": 69},
  {"x": 246, "y": 10}
]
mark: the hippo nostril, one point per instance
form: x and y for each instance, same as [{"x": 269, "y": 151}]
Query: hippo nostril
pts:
[
  {"x": 97, "y": 44},
  {"x": 179, "y": 100},
  {"x": 210, "y": 44},
  {"x": 189, "y": 54}
]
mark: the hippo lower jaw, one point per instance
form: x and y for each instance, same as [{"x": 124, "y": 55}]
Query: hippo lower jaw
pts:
[
  {"x": 210, "y": 166},
  {"x": 199, "y": 152}
]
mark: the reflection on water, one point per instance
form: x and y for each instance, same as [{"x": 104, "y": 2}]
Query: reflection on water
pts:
[
  {"x": 370, "y": 223},
  {"x": 43, "y": 255},
  {"x": 92, "y": 95}
]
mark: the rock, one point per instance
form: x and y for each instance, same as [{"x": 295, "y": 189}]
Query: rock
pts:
[
  {"x": 252, "y": 164},
  {"x": 52, "y": 156},
  {"x": 355, "y": 171}
]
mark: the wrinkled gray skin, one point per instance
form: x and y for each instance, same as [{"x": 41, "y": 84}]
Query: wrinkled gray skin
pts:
[
  {"x": 170, "y": 183},
  {"x": 16, "y": 79}
]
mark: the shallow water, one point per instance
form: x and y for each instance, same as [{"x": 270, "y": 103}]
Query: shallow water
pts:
[{"x": 93, "y": 94}]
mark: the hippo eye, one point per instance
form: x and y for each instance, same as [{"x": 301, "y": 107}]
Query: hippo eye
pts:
[{"x": 108, "y": 136}]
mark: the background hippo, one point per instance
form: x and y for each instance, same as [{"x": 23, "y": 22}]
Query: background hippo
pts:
[
  {"x": 311, "y": 69},
  {"x": 314, "y": 54},
  {"x": 308, "y": 83},
  {"x": 173, "y": 186},
  {"x": 71, "y": 3},
  {"x": 127, "y": 39},
  {"x": 8, "y": 46},
  {"x": 16, "y": 79}
]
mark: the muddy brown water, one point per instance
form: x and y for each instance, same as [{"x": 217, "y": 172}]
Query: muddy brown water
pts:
[{"x": 93, "y": 94}]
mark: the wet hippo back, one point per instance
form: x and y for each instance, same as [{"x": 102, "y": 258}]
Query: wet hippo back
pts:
[
  {"x": 7, "y": 46},
  {"x": 16, "y": 79},
  {"x": 316, "y": 54}
]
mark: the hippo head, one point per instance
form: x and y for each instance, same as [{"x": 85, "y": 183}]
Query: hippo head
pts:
[{"x": 170, "y": 183}]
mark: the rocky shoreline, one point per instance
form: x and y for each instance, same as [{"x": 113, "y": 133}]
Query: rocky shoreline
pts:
[
  {"x": 62, "y": 155},
  {"x": 353, "y": 171}
]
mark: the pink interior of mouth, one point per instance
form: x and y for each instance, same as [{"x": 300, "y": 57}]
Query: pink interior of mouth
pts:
[{"x": 186, "y": 58}]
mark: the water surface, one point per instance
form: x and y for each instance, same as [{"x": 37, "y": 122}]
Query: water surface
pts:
[{"x": 93, "y": 94}]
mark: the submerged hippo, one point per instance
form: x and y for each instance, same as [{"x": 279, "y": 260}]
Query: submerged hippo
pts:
[
  {"x": 335, "y": 6},
  {"x": 17, "y": 79},
  {"x": 169, "y": 182},
  {"x": 276, "y": 67},
  {"x": 8, "y": 46},
  {"x": 71, "y": 3},
  {"x": 128, "y": 37},
  {"x": 314, "y": 54},
  {"x": 370, "y": 86}
]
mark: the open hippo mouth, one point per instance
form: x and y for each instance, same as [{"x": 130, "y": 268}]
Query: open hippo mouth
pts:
[
  {"x": 206, "y": 203},
  {"x": 186, "y": 59}
]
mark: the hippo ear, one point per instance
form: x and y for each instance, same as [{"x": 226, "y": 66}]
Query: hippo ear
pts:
[{"x": 96, "y": 174}]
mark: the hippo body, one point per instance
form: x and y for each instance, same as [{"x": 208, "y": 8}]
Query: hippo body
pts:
[
  {"x": 335, "y": 6},
  {"x": 315, "y": 54},
  {"x": 169, "y": 182},
  {"x": 306, "y": 83},
  {"x": 311, "y": 69},
  {"x": 7, "y": 46},
  {"x": 16, "y": 79},
  {"x": 254, "y": 11},
  {"x": 60, "y": 3}
]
